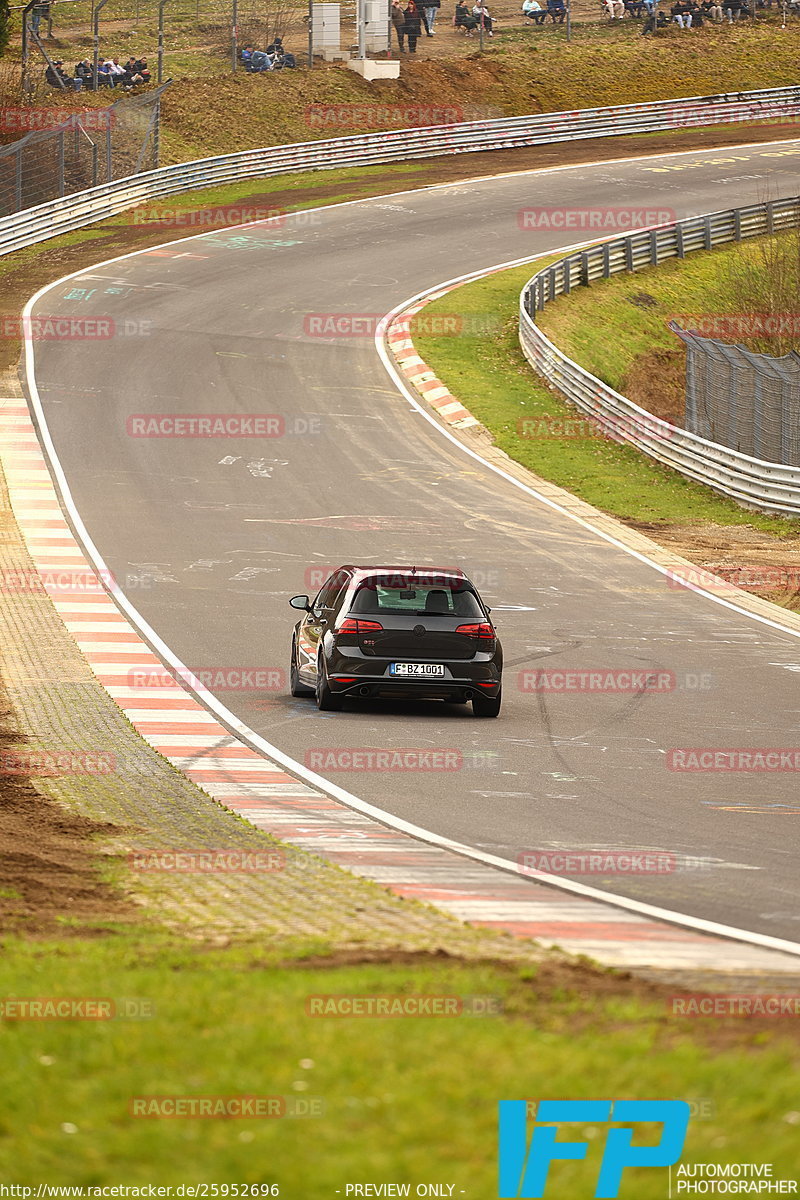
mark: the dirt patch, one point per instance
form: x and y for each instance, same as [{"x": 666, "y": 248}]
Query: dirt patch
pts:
[
  {"x": 657, "y": 381},
  {"x": 49, "y": 866},
  {"x": 760, "y": 563},
  {"x": 569, "y": 991}
]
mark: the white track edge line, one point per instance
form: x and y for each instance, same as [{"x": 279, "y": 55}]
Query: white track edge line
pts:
[{"x": 333, "y": 790}]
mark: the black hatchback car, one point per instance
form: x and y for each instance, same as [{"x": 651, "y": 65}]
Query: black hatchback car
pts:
[{"x": 397, "y": 632}]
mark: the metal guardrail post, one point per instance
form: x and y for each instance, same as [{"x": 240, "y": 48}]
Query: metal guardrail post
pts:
[
  {"x": 99, "y": 6},
  {"x": 61, "y": 180},
  {"x": 161, "y": 5},
  {"x": 25, "y": 47},
  {"x": 18, "y": 178}
]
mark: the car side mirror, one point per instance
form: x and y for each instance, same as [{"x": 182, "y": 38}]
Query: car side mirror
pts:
[{"x": 300, "y": 602}]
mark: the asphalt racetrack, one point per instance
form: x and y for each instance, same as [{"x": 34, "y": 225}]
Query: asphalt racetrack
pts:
[{"x": 214, "y": 535}]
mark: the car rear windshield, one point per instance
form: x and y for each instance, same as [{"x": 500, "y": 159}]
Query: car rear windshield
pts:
[{"x": 419, "y": 596}]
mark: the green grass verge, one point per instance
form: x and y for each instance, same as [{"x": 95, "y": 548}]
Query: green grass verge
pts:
[
  {"x": 491, "y": 376},
  {"x": 636, "y": 308},
  {"x": 404, "y": 1099}
]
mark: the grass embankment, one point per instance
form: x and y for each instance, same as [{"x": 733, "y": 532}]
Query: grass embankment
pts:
[
  {"x": 209, "y": 111},
  {"x": 403, "y": 1099},
  {"x": 724, "y": 293},
  {"x": 492, "y": 378}
]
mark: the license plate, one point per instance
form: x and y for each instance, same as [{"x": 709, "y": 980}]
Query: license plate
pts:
[{"x": 423, "y": 669}]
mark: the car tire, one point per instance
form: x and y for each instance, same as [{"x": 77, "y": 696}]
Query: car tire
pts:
[
  {"x": 296, "y": 686},
  {"x": 487, "y": 706},
  {"x": 327, "y": 701}
]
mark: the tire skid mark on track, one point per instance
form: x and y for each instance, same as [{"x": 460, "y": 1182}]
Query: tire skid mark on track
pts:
[{"x": 250, "y": 784}]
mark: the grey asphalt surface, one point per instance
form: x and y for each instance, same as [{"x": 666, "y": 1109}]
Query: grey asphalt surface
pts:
[{"x": 214, "y": 536}]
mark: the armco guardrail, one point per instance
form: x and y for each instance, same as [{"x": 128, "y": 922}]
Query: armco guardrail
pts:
[
  {"x": 752, "y": 482},
  {"x": 85, "y": 208}
]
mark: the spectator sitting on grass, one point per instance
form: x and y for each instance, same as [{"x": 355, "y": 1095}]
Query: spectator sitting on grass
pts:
[
  {"x": 247, "y": 53},
  {"x": 712, "y": 9},
  {"x": 117, "y": 71},
  {"x": 261, "y": 61},
  {"x": 557, "y": 10},
  {"x": 464, "y": 19},
  {"x": 56, "y": 76},
  {"x": 85, "y": 72},
  {"x": 615, "y": 9},
  {"x": 481, "y": 14},
  {"x": 634, "y": 7},
  {"x": 534, "y": 11},
  {"x": 681, "y": 14},
  {"x": 280, "y": 57}
]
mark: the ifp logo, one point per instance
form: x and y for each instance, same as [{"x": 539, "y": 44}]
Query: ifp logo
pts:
[{"x": 524, "y": 1169}]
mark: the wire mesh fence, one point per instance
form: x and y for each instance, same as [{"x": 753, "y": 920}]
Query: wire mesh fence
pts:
[
  {"x": 86, "y": 148},
  {"x": 745, "y": 401}
]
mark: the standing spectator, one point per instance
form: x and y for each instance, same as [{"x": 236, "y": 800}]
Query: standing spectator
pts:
[
  {"x": 38, "y": 14},
  {"x": 413, "y": 26},
  {"x": 399, "y": 22},
  {"x": 431, "y": 8},
  {"x": 534, "y": 11}
]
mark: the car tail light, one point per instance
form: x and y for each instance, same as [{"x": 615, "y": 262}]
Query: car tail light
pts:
[
  {"x": 351, "y": 625},
  {"x": 482, "y": 631}
]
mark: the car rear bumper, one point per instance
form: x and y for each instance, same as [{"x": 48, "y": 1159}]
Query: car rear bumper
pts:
[{"x": 461, "y": 689}]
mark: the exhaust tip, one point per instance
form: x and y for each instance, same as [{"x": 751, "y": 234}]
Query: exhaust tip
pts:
[
  {"x": 364, "y": 691},
  {"x": 468, "y": 693}
]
